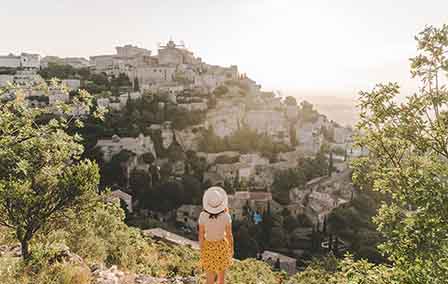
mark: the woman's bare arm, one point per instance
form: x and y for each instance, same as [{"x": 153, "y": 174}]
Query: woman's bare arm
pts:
[
  {"x": 201, "y": 235},
  {"x": 229, "y": 236}
]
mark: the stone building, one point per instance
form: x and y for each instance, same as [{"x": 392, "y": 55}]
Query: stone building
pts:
[
  {"x": 102, "y": 63},
  {"x": 255, "y": 201},
  {"x": 188, "y": 215},
  {"x": 309, "y": 137},
  {"x": 10, "y": 61},
  {"x": 209, "y": 81},
  {"x": 115, "y": 145},
  {"x": 323, "y": 194},
  {"x": 24, "y": 60},
  {"x": 129, "y": 51},
  {"x": 72, "y": 84},
  {"x": 30, "y": 61},
  {"x": 175, "y": 54},
  {"x": 285, "y": 263},
  {"x": 151, "y": 77}
]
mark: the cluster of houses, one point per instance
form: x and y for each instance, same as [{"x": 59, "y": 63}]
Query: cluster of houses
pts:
[
  {"x": 177, "y": 73},
  {"x": 24, "y": 60},
  {"x": 36, "y": 91},
  {"x": 172, "y": 70}
]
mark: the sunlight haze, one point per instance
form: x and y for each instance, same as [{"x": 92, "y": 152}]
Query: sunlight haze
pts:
[{"x": 300, "y": 47}]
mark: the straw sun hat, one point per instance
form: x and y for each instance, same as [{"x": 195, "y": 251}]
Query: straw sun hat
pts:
[{"x": 215, "y": 200}]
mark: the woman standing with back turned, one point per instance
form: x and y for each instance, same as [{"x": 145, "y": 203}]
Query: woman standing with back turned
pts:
[{"x": 215, "y": 234}]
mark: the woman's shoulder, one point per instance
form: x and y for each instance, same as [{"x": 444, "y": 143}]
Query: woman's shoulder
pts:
[
  {"x": 202, "y": 216},
  {"x": 227, "y": 216}
]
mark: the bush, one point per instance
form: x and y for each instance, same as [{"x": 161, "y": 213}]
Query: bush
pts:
[
  {"x": 251, "y": 271},
  {"x": 244, "y": 140}
]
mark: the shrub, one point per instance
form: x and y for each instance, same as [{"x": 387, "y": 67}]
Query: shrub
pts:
[{"x": 251, "y": 271}]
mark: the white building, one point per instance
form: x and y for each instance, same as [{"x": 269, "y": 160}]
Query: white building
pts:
[
  {"x": 25, "y": 60},
  {"x": 10, "y": 61},
  {"x": 72, "y": 84},
  {"x": 174, "y": 54},
  {"x": 102, "y": 62},
  {"x": 28, "y": 60}
]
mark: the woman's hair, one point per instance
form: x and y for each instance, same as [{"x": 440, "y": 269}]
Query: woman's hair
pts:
[{"x": 215, "y": 216}]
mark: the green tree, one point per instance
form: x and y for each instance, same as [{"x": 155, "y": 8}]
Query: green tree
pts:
[
  {"x": 193, "y": 190},
  {"x": 408, "y": 149},
  {"x": 330, "y": 164},
  {"x": 41, "y": 175},
  {"x": 136, "y": 85}
]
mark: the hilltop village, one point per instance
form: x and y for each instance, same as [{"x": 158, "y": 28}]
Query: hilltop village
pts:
[{"x": 176, "y": 125}]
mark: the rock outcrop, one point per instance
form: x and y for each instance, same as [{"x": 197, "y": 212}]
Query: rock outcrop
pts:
[{"x": 112, "y": 275}]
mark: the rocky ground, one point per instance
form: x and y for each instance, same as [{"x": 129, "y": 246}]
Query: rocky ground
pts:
[
  {"x": 114, "y": 276},
  {"x": 100, "y": 273}
]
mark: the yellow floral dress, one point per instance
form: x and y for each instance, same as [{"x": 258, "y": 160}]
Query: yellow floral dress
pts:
[
  {"x": 216, "y": 252},
  {"x": 216, "y": 256}
]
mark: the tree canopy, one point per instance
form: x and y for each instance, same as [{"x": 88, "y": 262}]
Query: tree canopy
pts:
[
  {"x": 408, "y": 161},
  {"x": 41, "y": 174}
]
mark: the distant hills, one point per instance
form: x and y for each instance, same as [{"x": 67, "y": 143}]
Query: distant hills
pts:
[{"x": 338, "y": 107}]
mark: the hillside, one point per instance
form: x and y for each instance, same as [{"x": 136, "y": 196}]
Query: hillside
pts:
[{"x": 108, "y": 251}]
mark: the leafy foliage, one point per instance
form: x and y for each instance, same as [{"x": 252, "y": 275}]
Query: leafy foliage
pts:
[
  {"x": 94, "y": 83},
  {"x": 348, "y": 271},
  {"x": 408, "y": 160},
  {"x": 244, "y": 140},
  {"x": 40, "y": 171}
]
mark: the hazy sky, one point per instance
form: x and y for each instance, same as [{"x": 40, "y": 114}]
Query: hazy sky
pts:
[{"x": 333, "y": 47}]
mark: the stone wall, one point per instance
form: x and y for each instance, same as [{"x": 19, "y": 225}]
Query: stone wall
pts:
[
  {"x": 225, "y": 120},
  {"x": 272, "y": 123}
]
